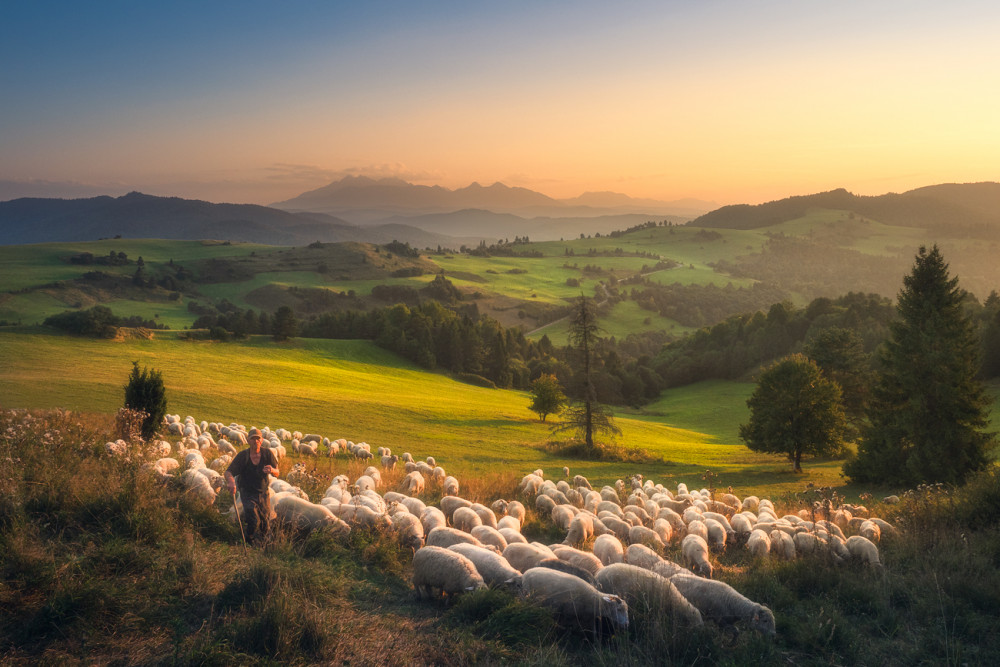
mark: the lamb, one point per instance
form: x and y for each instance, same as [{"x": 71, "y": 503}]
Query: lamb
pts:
[
  {"x": 864, "y": 549},
  {"x": 303, "y": 514},
  {"x": 719, "y": 602},
  {"x": 574, "y": 601},
  {"x": 409, "y": 531},
  {"x": 450, "y": 486},
  {"x": 446, "y": 570},
  {"x": 365, "y": 483},
  {"x": 516, "y": 510},
  {"x": 609, "y": 549},
  {"x": 389, "y": 462},
  {"x": 494, "y": 568},
  {"x": 648, "y": 591},
  {"x": 695, "y": 552},
  {"x": 759, "y": 543}
]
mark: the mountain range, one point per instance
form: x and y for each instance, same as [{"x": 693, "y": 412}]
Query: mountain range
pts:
[{"x": 380, "y": 211}]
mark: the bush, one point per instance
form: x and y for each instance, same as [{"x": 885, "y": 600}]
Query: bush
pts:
[
  {"x": 477, "y": 380},
  {"x": 145, "y": 392}
]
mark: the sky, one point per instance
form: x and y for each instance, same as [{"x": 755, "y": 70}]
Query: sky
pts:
[{"x": 728, "y": 101}]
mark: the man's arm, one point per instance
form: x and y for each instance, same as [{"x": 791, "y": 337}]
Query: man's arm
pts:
[{"x": 230, "y": 482}]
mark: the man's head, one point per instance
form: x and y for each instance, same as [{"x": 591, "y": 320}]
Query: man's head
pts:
[{"x": 255, "y": 434}]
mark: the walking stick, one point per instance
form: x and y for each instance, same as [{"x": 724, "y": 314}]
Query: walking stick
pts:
[{"x": 240, "y": 522}]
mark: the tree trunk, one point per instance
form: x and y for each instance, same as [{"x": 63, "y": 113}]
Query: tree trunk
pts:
[{"x": 797, "y": 460}]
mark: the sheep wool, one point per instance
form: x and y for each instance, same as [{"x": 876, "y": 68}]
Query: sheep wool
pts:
[
  {"x": 494, "y": 568},
  {"x": 444, "y": 570},
  {"x": 648, "y": 591},
  {"x": 695, "y": 552},
  {"x": 719, "y": 602},
  {"x": 574, "y": 601},
  {"x": 609, "y": 549}
]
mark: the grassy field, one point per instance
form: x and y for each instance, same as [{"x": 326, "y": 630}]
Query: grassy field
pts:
[{"x": 355, "y": 390}]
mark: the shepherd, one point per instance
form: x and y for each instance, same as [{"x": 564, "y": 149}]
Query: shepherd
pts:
[{"x": 251, "y": 468}]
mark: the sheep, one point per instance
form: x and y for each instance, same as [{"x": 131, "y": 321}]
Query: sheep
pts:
[
  {"x": 574, "y": 601},
  {"x": 666, "y": 568},
  {"x": 759, "y": 543},
  {"x": 361, "y": 515},
  {"x": 516, "y": 510},
  {"x": 647, "y": 536},
  {"x": 642, "y": 556},
  {"x": 530, "y": 485},
  {"x": 375, "y": 474},
  {"x": 676, "y": 521},
  {"x": 567, "y": 567},
  {"x": 782, "y": 545},
  {"x": 198, "y": 486},
  {"x": 490, "y": 536},
  {"x": 562, "y": 516},
  {"x": 219, "y": 463},
  {"x": 885, "y": 528},
  {"x": 494, "y": 568},
  {"x": 694, "y": 549},
  {"x": 580, "y": 480},
  {"x": 389, "y": 462},
  {"x": 409, "y": 531},
  {"x": 432, "y": 518},
  {"x": 414, "y": 506},
  {"x": 524, "y": 556},
  {"x": 509, "y": 522},
  {"x": 486, "y": 515},
  {"x": 465, "y": 519},
  {"x": 581, "y": 529},
  {"x": 583, "y": 559},
  {"x": 663, "y": 529},
  {"x": 450, "y": 486},
  {"x": 544, "y": 504},
  {"x": 301, "y": 513},
  {"x": 445, "y": 537},
  {"x": 364, "y": 483},
  {"x": 413, "y": 483},
  {"x": 870, "y": 530},
  {"x": 512, "y": 535},
  {"x": 609, "y": 549},
  {"x": 648, "y": 591},
  {"x": 863, "y": 549},
  {"x": 451, "y": 503},
  {"x": 716, "y": 535},
  {"x": 719, "y": 602},
  {"x": 449, "y": 571}
]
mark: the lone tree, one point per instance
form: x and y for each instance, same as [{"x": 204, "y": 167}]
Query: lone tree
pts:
[
  {"x": 795, "y": 410},
  {"x": 585, "y": 414},
  {"x": 547, "y": 397},
  {"x": 928, "y": 409},
  {"x": 145, "y": 393},
  {"x": 284, "y": 325}
]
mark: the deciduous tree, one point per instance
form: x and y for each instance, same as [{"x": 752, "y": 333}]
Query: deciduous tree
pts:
[{"x": 547, "y": 397}]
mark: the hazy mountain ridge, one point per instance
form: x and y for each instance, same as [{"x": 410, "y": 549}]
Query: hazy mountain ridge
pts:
[
  {"x": 137, "y": 215},
  {"x": 945, "y": 206},
  {"x": 362, "y": 199}
]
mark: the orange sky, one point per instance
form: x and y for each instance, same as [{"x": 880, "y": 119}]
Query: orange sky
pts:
[{"x": 723, "y": 101}]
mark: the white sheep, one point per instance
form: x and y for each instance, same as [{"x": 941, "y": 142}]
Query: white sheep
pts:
[
  {"x": 574, "y": 601},
  {"x": 694, "y": 550},
  {"x": 759, "y": 543},
  {"x": 301, "y": 513},
  {"x": 524, "y": 556},
  {"x": 647, "y": 536},
  {"x": 486, "y": 515},
  {"x": 364, "y": 516},
  {"x": 719, "y": 602},
  {"x": 198, "y": 486},
  {"x": 450, "y": 486},
  {"x": 642, "y": 556},
  {"x": 511, "y": 535},
  {"x": 432, "y": 518},
  {"x": 864, "y": 549},
  {"x": 716, "y": 535},
  {"x": 516, "y": 510},
  {"x": 494, "y": 568},
  {"x": 609, "y": 549},
  {"x": 451, "y": 503},
  {"x": 445, "y": 537},
  {"x": 449, "y": 571},
  {"x": 408, "y": 529},
  {"x": 465, "y": 519},
  {"x": 413, "y": 483},
  {"x": 782, "y": 545},
  {"x": 870, "y": 530},
  {"x": 647, "y": 591},
  {"x": 490, "y": 536},
  {"x": 581, "y": 529},
  {"x": 581, "y": 559},
  {"x": 509, "y": 522}
]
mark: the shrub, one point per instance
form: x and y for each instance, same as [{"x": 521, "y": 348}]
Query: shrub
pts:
[{"x": 145, "y": 392}]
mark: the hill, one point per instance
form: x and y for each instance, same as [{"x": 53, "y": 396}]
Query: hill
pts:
[
  {"x": 949, "y": 207},
  {"x": 137, "y": 215}
]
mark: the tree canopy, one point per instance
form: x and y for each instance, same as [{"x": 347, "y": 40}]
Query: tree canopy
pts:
[
  {"x": 547, "y": 397},
  {"x": 927, "y": 413},
  {"x": 795, "y": 410}
]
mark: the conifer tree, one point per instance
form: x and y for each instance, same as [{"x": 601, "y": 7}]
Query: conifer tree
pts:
[{"x": 927, "y": 413}]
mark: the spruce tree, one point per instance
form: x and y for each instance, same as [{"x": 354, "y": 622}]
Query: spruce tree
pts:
[
  {"x": 928, "y": 409},
  {"x": 145, "y": 393}
]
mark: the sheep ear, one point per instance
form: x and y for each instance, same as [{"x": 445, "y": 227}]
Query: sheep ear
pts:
[{"x": 606, "y": 598}]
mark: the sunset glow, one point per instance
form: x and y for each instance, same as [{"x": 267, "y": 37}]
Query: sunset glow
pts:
[{"x": 724, "y": 101}]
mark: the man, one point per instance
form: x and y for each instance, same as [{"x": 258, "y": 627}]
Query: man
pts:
[{"x": 252, "y": 467}]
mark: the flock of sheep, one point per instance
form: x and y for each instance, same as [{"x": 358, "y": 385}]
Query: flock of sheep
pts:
[{"x": 611, "y": 561}]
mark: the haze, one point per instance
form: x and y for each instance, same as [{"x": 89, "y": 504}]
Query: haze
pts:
[{"x": 724, "y": 101}]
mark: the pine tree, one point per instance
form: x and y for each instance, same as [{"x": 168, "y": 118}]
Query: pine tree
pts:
[
  {"x": 284, "y": 325},
  {"x": 585, "y": 414},
  {"x": 928, "y": 409}
]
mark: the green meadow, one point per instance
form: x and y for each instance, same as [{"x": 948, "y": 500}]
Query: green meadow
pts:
[{"x": 355, "y": 390}]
